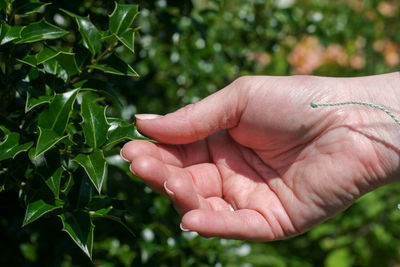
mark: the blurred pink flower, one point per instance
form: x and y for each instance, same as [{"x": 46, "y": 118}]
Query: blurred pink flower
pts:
[
  {"x": 387, "y": 9},
  {"x": 336, "y": 53},
  {"x": 261, "y": 58},
  {"x": 358, "y": 61},
  {"x": 306, "y": 55},
  {"x": 389, "y": 50},
  {"x": 356, "y": 5}
]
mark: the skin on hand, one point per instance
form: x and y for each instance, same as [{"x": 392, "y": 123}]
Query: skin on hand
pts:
[{"x": 254, "y": 161}]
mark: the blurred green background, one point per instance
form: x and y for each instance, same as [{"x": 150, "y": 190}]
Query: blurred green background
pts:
[{"x": 186, "y": 51}]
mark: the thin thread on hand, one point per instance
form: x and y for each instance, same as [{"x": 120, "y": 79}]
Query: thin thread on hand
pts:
[{"x": 315, "y": 105}]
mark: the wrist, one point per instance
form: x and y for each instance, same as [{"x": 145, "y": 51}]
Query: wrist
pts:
[{"x": 377, "y": 126}]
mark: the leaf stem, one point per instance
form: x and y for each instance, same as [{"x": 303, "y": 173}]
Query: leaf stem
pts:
[{"x": 88, "y": 70}]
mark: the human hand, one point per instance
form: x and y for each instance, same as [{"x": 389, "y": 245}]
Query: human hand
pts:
[{"x": 255, "y": 161}]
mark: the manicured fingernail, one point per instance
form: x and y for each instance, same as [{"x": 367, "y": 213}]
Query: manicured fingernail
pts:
[
  {"x": 168, "y": 190},
  {"x": 147, "y": 116},
  {"x": 231, "y": 208},
  {"x": 120, "y": 153},
  {"x": 182, "y": 228}
]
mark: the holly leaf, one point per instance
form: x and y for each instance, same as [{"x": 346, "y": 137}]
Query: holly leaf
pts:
[
  {"x": 89, "y": 32},
  {"x": 10, "y": 146},
  {"x": 121, "y": 130},
  {"x": 54, "y": 67},
  {"x": 45, "y": 54},
  {"x": 24, "y": 7},
  {"x": 9, "y": 33},
  {"x": 68, "y": 61},
  {"x": 115, "y": 65},
  {"x": 48, "y": 166},
  {"x": 80, "y": 228},
  {"x": 38, "y": 207},
  {"x": 32, "y": 102},
  {"x": 122, "y": 17},
  {"x": 112, "y": 214},
  {"x": 47, "y": 139},
  {"x": 95, "y": 167},
  {"x": 40, "y": 31},
  {"x": 127, "y": 38},
  {"x": 94, "y": 122},
  {"x": 56, "y": 116}
]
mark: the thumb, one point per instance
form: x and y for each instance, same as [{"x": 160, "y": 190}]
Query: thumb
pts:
[{"x": 194, "y": 122}]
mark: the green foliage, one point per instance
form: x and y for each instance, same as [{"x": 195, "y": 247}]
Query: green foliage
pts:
[
  {"x": 185, "y": 51},
  {"x": 61, "y": 123}
]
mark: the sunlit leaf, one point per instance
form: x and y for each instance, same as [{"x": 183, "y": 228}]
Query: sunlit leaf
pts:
[
  {"x": 127, "y": 38},
  {"x": 9, "y": 33},
  {"x": 94, "y": 122},
  {"x": 121, "y": 130},
  {"x": 32, "y": 102},
  {"x": 24, "y": 7},
  {"x": 39, "y": 31},
  {"x": 89, "y": 32},
  {"x": 37, "y": 208},
  {"x": 56, "y": 116},
  {"x": 80, "y": 228},
  {"x": 47, "y": 139},
  {"x": 115, "y": 65},
  {"x": 68, "y": 61},
  {"x": 10, "y": 147},
  {"x": 29, "y": 60},
  {"x": 45, "y": 54},
  {"x": 122, "y": 18},
  {"x": 95, "y": 166}
]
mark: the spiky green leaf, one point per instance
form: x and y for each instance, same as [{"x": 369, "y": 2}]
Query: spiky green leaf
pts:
[{"x": 95, "y": 167}]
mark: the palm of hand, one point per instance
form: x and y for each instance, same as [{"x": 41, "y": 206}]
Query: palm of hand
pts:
[{"x": 290, "y": 176}]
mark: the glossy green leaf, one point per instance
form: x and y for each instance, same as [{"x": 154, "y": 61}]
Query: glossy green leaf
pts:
[
  {"x": 56, "y": 116},
  {"x": 95, "y": 166},
  {"x": 53, "y": 67},
  {"x": 29, "y": 60},
  {"x": 32, "y": 102},
  {"x": 47, "y": 139},
  {"x": 68, "y": 61},
  {"x": 83, "y": 192},
  {"x": 9, "y": 33},
  {"x": 10, "y": 146},
  {"x": 37, "y": 209},
  {"x": 127, "y": 38},
  {"x": 121, "y": 130},
  {"x": 24, "y": 7},
  {"x": 89, "y": 32},
  {"x": 80, "y": 228},
  {"x": 39, "y": 31},
  {"x": 94, "y": 122},
  {"x": 115, "y": 65},
  {"x": 122, "y": 18},
  {"x": 45, "y": 54},
  {"x": 52, "y": 60},
  {"x": 48, "y": 166},
  {"x": 112, "y": 214},
  {"x": 68, "y": 184}
]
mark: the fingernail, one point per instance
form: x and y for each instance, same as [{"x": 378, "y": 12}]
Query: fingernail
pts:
[
  {"x": 147, "y": 116},
  {"x": 120, "y": 153},
  {"x": 182, "y": 228},
  {"x": 168, "y": 190},
  {"x": 231, "y": 208}
]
